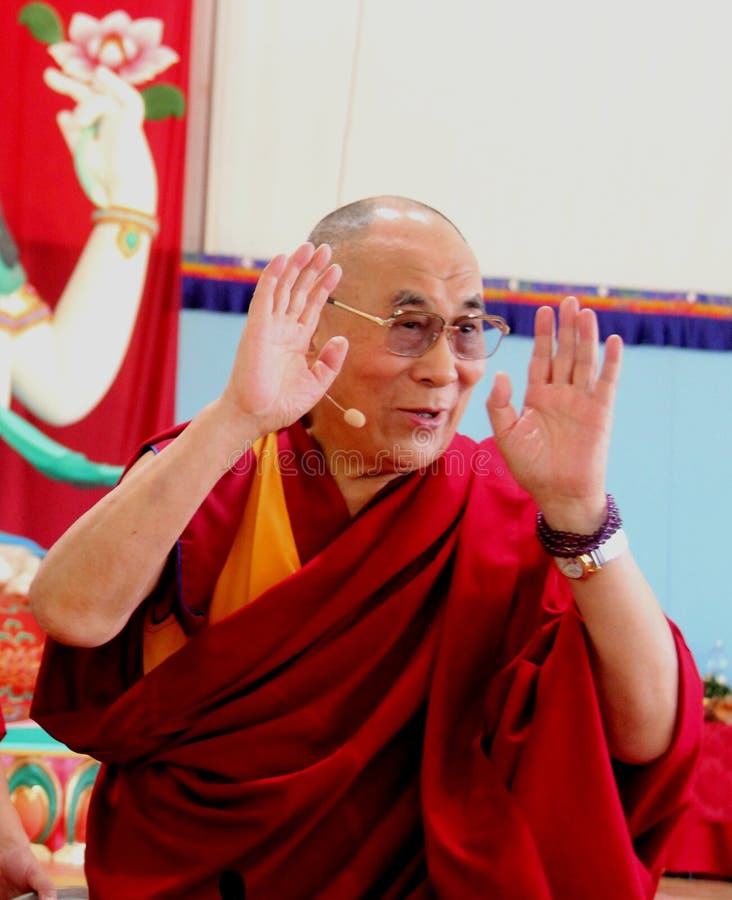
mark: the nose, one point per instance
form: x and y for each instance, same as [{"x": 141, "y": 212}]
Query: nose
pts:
[{"x": 438, "y": 366}]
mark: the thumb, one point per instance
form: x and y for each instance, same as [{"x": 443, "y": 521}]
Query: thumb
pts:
[
  {"x": 42, "y": 884},
  {"x": 108, "y": 83},
  {"x": 69, "y": 128},
  {"x": 500, "y": 409},
  {"x": 330, "y": 359}
]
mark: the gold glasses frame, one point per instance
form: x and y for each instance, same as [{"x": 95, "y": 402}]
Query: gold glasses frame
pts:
[{"x": 449, "y": 328}]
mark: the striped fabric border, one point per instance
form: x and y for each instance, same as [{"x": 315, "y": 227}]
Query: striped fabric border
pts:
[{"x": 666, "y": 318}]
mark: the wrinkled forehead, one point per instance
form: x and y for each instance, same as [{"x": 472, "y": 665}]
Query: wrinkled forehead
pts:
[{"x": 419, "y": 253}]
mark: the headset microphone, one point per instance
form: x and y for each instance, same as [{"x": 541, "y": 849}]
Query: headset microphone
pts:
[{"x": 353, "y": 417}]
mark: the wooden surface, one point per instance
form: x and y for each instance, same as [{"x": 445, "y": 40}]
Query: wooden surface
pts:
[
  {"x": 694, "y": 889},
  {"x": 65, "y": 875}
]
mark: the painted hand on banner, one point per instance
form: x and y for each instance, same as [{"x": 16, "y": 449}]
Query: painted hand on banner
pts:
[
  {"x": 62, "y": 366},
  {"x": 277, "y": 377},
  {"x": 557, "y": 446},
  {"x": 104, "y": 133}
]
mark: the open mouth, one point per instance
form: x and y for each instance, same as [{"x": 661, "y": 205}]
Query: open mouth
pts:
[{"x": 425, "y": 416}]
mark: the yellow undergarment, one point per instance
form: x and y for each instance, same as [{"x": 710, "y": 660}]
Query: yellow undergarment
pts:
[{"x": 263, "y": 554}]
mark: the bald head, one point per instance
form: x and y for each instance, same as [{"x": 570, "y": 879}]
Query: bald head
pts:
[
  {"x": 395, "y": 255},
  {"x": 353, "y": 221}
]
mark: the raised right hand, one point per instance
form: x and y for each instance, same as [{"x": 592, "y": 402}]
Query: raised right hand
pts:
[{"x": 272, "y": 382}]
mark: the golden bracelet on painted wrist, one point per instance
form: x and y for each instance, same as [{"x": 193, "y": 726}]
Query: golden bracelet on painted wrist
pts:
[{"x": 133, "y": 223}]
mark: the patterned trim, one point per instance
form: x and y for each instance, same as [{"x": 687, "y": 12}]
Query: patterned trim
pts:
[
  {"x": 80, "y": 783},
  {"x": 22, "y": 309},
  {"x": 508, "y": 290},
  {"x": 33, "y": 777},
  {"x": 667, "y": 318},
  {"x": 625, "y": 300},
  {"x": 223, "y": 268}
]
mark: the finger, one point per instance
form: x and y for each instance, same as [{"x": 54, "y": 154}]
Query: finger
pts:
[
  {"x": 263, "y": 298},
  {"x": 69, "y": 127},
  {"x": 500, "y": 409},
  {"x": 318, "y": 295},
  {"x": 329, "y": 361},
  {"x": 295, "y": 264},
  {"x": 46, "y": 890},
  {"x": 610, "y": 373},
  {"x": 585, "y": 367},
  {"x": 564, "y": 358},
  {"x": 105, "y": 81},
  {"x": 42, "y": 884},
  {"x": 307, "y": 278},
  {"x": 540, "y": 364},
  {"x": 91, "y": 109},
  {"x": 62, "y": 84}
]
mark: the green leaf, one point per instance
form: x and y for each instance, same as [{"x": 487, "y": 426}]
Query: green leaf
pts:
[
  {"x": 43, "y": 22},
  {"x": 163, "y": 100}
]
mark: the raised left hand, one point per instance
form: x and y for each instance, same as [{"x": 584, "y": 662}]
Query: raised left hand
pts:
[{"x": 557, "y": 447}]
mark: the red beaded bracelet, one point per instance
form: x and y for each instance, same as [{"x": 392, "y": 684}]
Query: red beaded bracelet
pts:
[{"x": 567, "y": 543}]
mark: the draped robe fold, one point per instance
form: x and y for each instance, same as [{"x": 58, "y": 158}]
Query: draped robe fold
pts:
[{"x": 412, "y": 713}]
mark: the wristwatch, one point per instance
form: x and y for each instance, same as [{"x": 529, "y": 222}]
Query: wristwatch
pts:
[{"x": 586, "y": 564}]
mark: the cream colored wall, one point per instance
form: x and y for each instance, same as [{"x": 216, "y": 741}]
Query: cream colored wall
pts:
[
  {"x": 282, "y": 72},
  {"x": 570, "y": 141}
]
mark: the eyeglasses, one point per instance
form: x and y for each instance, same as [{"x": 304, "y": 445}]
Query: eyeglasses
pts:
[{"x": 410, "y": 333}]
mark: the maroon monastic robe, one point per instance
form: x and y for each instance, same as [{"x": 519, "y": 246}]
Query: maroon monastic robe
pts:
[{"x": 412, "y": 714}]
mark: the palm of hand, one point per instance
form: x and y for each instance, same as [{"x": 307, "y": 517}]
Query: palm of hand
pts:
[
  {"x": 559, "y": 442},
  {"x": 557, "y": 447},
  {"x": 280, "y": 386},
  {"x": 276, "y": 377}
]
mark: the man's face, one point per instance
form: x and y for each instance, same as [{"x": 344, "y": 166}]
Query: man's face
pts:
[{"x": 412, "y": 260}]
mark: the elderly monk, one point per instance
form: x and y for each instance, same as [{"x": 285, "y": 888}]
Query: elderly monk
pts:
[{"x": 324, "y": 660}]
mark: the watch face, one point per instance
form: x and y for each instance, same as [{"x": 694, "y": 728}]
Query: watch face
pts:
[{"x": 571, "y": 567}]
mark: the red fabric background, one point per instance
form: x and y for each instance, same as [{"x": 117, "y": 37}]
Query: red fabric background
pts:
[{"x": 49, "y": 217}]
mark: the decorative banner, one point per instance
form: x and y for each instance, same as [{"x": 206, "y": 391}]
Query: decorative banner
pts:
[
  {"x": 665, "y": 318},
  {"x": 55, "y": 209},
  {"x": 703, "y": 321},
  {"x": 50, "y": 787}
]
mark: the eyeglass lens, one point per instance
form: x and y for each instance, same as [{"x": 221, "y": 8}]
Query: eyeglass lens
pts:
[{"x": 412, "y": 334}]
